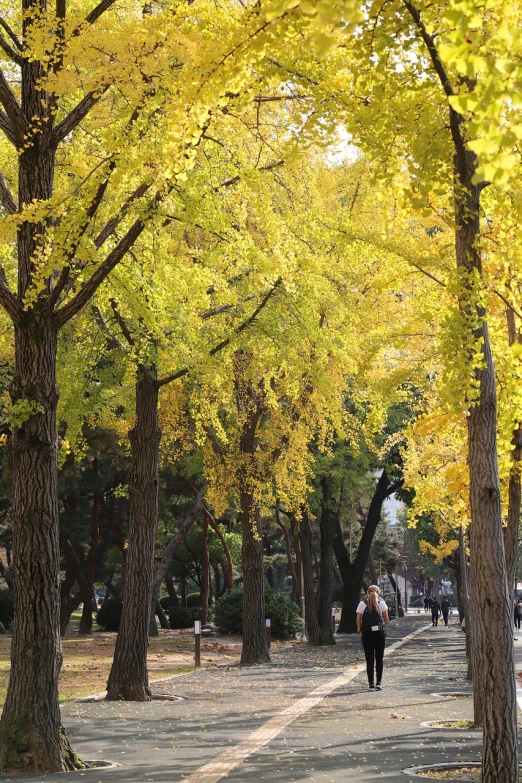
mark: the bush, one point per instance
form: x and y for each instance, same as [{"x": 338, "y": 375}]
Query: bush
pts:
[
  {"x": 194, "y": 599},
  {"x": 109, "y": 614},
  {"x": 184, "y": 617},
  {"x": 284, "y": 614},
  {"x": 165, "y": 603},
  {"x": 6, "y": 606}
]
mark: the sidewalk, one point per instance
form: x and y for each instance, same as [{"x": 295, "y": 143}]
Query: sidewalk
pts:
[{"x": 308, "y": 716}]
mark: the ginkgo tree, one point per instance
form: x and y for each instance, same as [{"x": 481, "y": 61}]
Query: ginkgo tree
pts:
[{"x": 102, "y": 112}]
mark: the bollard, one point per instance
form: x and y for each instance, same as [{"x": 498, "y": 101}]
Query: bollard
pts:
[
  {"x": 197, "y": 643},
  {"x": 268, "y": 633},
  {"x": 333, "y": 619}
]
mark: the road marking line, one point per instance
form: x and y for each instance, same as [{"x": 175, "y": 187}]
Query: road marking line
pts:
[{"x": 221, "y": 765}]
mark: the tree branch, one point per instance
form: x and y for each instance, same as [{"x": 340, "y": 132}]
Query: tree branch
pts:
[
  {"x": 6, "y": 198},
  {"x": 219, "y": 347},
  {"x": 114, "y": 222},
  {"x": 10, "y": 52},
  {"x": 233, "y": 180},
  {"x": 13, "y": 111},
  {"x": 112, "y": 341},
  {"x": 122, "y": 323},
  {"x": 11, "y": 34},
  {"x": 89, "y": 288},
  {"x": 7, "y": 128},
  {"x": 77, "y": 114},
  {"x": 96, "y": 12},
  {"x": 8, "y": 301}
]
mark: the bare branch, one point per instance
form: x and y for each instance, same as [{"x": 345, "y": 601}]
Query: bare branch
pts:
[
  {"x": 8, "y": 301},
  {"x": 10, "y": 52},
  {"x": 431, "y": 47},
  {"x": 219, "y": 347},
  {"x": 114, "y": 222},
  {"x": 112, "y": 340},
  {"x": 12, "y": 110},
  {"x": 96, "y": 12},
  {"x": 6, "y": 197},
  {"x": 120, "y": 320},
  {"x": 14, "y": 38},
  {"x": 7, "y": 128},
  {"x": 215, "y": 311},
  {"x": 233, "y": 180},
  {"x": 75, "y": 116}
]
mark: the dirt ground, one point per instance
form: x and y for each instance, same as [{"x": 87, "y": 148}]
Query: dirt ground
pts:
[{"x": 87, "y": 660}]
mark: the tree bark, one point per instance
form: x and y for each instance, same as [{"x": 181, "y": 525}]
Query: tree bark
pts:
[
  {"x": 313, "y": 630},
  {"x": 171, "y": 590},
  {"x": 86, "y": 619},
  {"x": 31, "y": 734},
  {"x": 474, "y": 631},
  {"x": 489, "y": 590},
  {"x": 328, "y": 523},
  {"x": 298, "y": 559},
  {"x": 288, "y": 547},
  {"x": 205, "y": 575},
  {"x": 250, "y": 406},
  {"x": 128, "y": 678}
]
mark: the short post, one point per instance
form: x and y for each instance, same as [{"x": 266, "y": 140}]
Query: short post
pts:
[
  {"x": 333, "y": 619},
  {"x": 197, "y": 643},
  {"x": 268, "y": 633}
]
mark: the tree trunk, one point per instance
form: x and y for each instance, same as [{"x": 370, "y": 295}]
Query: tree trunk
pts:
[
  {"x": 474, "y": 631},
  {"x": 171, "y": 590},
  {"x": 298, "y": 560},
  {"x": 205, "y": 576},
  {"x": 327, "y": 528},
  {"x": 229, "y": 573},
  {"x": 189, "y": 517},
  {"x": 32, "y": 738},
  {"x": 315, "y": 636},
  {"x": 217, "y": 581},
  {"x": 255, "y": 649},
  {"x": 288, "y": 547},
  {"x": 128, "y": 678},
  {"x": 514, "y": 489},
  {"x": 489, "y": 590},
  {"x": 352, "y": 574},
  {"x": 86, "y": 619},
  {"x": 371, "y": 570}
]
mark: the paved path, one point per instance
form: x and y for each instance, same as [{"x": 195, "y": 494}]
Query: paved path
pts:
[{"x": 306, "y": 717}]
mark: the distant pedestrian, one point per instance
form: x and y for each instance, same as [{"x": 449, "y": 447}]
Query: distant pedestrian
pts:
[
  {"x": 435, "y": 611},
  {"x": 430, "y": 603},
  {"x": 426, "y": 603},
  {"x": 445, "y": 609},
  {"x": 372, "y": 614},
  {"x": 518, "y": 613}
]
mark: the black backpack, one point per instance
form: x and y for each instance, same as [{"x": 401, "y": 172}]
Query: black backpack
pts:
[{"x": 371, "y": 619}]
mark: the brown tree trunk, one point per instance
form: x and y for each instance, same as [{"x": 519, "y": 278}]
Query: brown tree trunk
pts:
[
  {"x": 514, "y": 489},
  {"x": 313, "y": 630},
  {"x": 128, "y": 678},
  {"x": 474, "y": 632},
  {"x": 31, "y": 734},
  {"x": 205, "y": 575},
  {"x": 255, "y": 649},
  {"x": 171, "y": 590},
  {"x": 288, "y": 547},
  {"x": 489, "y": 590},
  {"x": 86, "y": 619},
  {"x": 327, "y": 528},
  {"x": 371, "y": 569},
  {"x": 229, "y": 573}
]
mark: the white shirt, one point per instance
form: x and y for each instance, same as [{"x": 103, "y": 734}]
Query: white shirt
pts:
[{"x": 362, "y": 607}]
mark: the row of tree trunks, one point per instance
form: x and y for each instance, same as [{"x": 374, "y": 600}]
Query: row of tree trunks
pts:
[{"x": 288, "y": 548}]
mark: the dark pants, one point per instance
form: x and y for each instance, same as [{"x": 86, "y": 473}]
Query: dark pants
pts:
[
  {"x": 373, "y": 643},
  {"x": 445, "y": 616},
  {"x": 435, "y": 618},
  {"x": 518, "y": 619}
]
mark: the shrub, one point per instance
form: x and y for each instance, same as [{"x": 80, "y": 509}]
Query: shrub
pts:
[
  {"x": 165, "y": 603},
  {"x": 109, "y": 614},
  {"x": 184, "y": 617},
  {"x": 283, "y": 613},
  {"x": 194, "y": 599},
  {"x": 6, "y": 606}
]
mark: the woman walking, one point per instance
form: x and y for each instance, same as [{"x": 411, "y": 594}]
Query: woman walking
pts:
[{"x": 372, "y": 614}]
